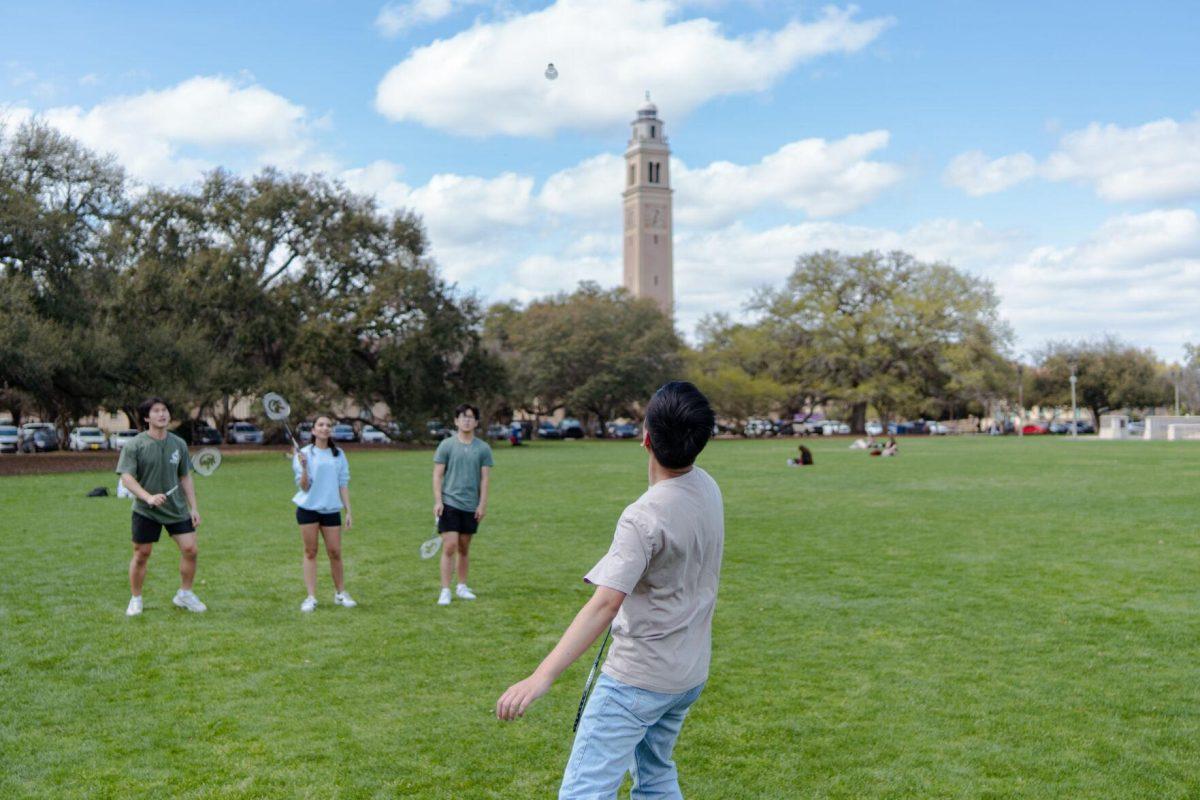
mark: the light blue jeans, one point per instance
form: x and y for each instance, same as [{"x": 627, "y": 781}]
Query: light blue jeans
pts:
[{"x": 626, "y": 729}]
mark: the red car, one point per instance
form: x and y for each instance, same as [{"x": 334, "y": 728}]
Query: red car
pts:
[{"x": 1035, "y": 428}]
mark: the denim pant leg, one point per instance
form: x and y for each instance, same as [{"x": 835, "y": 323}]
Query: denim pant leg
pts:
[
  {"x": 654, "y": 773},
  {"x": 603, "y": 750}
]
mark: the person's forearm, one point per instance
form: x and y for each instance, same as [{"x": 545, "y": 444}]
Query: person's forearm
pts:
[
  {"x": 592, "y": 620},
  {"x": 344, "y": 493},
  {"x": 483, "y": 489},
  {"x": 132, "y": 485},
  {"x": 437, "y": 488},
  {"x": 189, "y": 491}
]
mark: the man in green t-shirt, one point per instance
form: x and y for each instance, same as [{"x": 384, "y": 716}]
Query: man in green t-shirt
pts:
[
  {"x": 154, "y": 468},
  {"x": 462, "y": 467}
]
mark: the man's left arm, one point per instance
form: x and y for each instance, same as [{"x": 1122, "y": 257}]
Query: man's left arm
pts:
[
  {"x": 189, "y": 491},
  {"x": 593, "y": 619},
  {"x": 485, "y": 478}
]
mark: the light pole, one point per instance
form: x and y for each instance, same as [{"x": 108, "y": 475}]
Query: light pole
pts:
[
  {"x": 1175, "y": 373},
  {"x": 1020, "y": 400},
  {"x": 1074, "y": 408}
]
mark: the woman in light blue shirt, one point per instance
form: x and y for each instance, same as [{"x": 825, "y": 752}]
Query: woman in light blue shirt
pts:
[{"x": 323, "y": 475}]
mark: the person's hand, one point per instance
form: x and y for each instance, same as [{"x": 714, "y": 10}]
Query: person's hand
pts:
[
  {"x": 479, "y": 512},
  {"x": 195, "y": 518},
  {"x": 520, "y": 696},
  {"x": 437, "y": 510},
  {"x": 349, "y": 520},
  {"x": 156, "y": 500}
]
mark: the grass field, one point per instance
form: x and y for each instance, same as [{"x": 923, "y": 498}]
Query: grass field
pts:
[{"x": 976, "y": 618}]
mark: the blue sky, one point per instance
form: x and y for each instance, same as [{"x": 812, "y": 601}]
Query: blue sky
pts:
[{"x": 1053, "y": 148}]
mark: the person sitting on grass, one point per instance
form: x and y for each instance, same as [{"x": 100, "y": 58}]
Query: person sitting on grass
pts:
[
  {"x": 805, "y": 459},
  {"x": 154, "y": 467},
  {"x": 323, "y": 477},
  {"x": 657, "y": 587},
  {"x": 891, "y": 448}
]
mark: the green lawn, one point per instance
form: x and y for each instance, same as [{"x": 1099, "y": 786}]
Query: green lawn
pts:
[{"x": 976, "y": 618}]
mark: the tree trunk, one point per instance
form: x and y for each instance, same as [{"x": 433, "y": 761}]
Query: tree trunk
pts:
[{"x": 858, "y": 418}]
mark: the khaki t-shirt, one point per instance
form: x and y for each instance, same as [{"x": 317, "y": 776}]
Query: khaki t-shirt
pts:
[
  {"x": 666, "y": 556},
  {"x": 157, "y": 466}
]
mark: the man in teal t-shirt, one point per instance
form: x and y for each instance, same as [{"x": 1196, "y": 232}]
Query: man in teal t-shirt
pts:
[
  {"x": 462, "y": 466},
  {"x": 154, "y": 467}
]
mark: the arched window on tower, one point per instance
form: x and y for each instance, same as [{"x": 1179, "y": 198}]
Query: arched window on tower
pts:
[
  {"x": 632, "y": 174},
  {"x": 651, "y": 131}
]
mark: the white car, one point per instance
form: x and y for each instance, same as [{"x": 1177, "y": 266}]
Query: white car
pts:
[
  {"x": 937, "y": 428},
  {"x": 87, "y": 439},
  {"x": 874, "y": 429},
  {"x": 757, "y": 427},
  {"x": 9, "y": 438},
  {"x": 372, "y": 435},
  {"x": 832, "y": 427},
  {"x": 119, "y": 439}
]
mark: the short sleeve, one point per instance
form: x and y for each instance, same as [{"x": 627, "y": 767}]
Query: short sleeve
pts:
[
  {"x": 128, "y": 460},
  {"x": 441, "y": 456},
  {"x": 343, "y": 469},
  {"x": 487, "y": 461},
  {"x": 629, "y": 556}
]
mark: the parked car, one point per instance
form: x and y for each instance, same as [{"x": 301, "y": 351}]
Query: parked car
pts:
[
  {"x": 243, "y": 433},
  {"x": 203, "y": 434},
  {"x": 497, "y": 431},
  {"x": 758, "y": 427},
  {"x": 937, "y": 428},
  {"x": 571, "y": 428},
  {"x": 118, "y": 439},
  {"x": 1136, "y": 427},
  {"x": 1035, "y": 428},
  {"x": 436, "y": 430},
  {"x": 9, "y": 437},
  {"x": 548, "y": 430},
  {"x": 81, "y": 439},
  {"x": 874, "y": 428},
  {"x": 38, "y": 437},
  {"x": 372, "y": 435},
  {"x": 831, "y": 427},
  {"x": 623, "y": 430},
  {"x": 343, "y": 432}
]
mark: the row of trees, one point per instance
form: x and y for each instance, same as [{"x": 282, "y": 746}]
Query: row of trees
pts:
[{"x": 111, "y": 291}]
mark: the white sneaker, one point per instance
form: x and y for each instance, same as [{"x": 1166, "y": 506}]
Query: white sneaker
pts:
[
  {"x": 309, "y": 604},
  {"x": 135, "y": 606},
  {"x": 343, "y": 599},
  {"x": 444, "y": 597},
  {"x": 187, "y": 599},
  {"x": 464, "y": 592}
]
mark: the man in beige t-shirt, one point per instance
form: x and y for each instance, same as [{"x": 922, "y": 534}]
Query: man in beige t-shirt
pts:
[{"x": 657, "y": 588}]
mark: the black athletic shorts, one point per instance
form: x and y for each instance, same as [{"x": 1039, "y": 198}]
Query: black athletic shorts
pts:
[
  {"x": 456, "y": 520},
  {"x": 307, "y": 516},
  {"x": 148, "y": 531}
]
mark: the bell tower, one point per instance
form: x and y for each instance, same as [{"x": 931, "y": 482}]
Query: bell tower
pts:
[{"x": 649, "y": 265}]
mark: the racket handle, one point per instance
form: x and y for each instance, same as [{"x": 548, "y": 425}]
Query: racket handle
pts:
[{"x": 172, "y": 491}]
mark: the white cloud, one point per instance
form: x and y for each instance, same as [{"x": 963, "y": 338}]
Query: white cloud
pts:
[
  {"x": 1137, "y": 276},
  {"x": 1158, "y": 161},
  {"x": 812, "y": 175},
  {"x": 488, "y": 78},
  {"x": 976, "y": 175},
  {"x": 395, "y": 18},
  {"x": 91, "y": 79},
  {"x": 174, "y": 134}
]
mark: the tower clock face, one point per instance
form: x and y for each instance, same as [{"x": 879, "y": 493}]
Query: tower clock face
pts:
[{"x": 655, "y": 218}]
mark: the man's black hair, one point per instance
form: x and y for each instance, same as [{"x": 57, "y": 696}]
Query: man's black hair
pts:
[
  {"x": 466, "y": 407},
  {"x": 144, "y": 410},
  {"x": 679, "y": 421}
]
